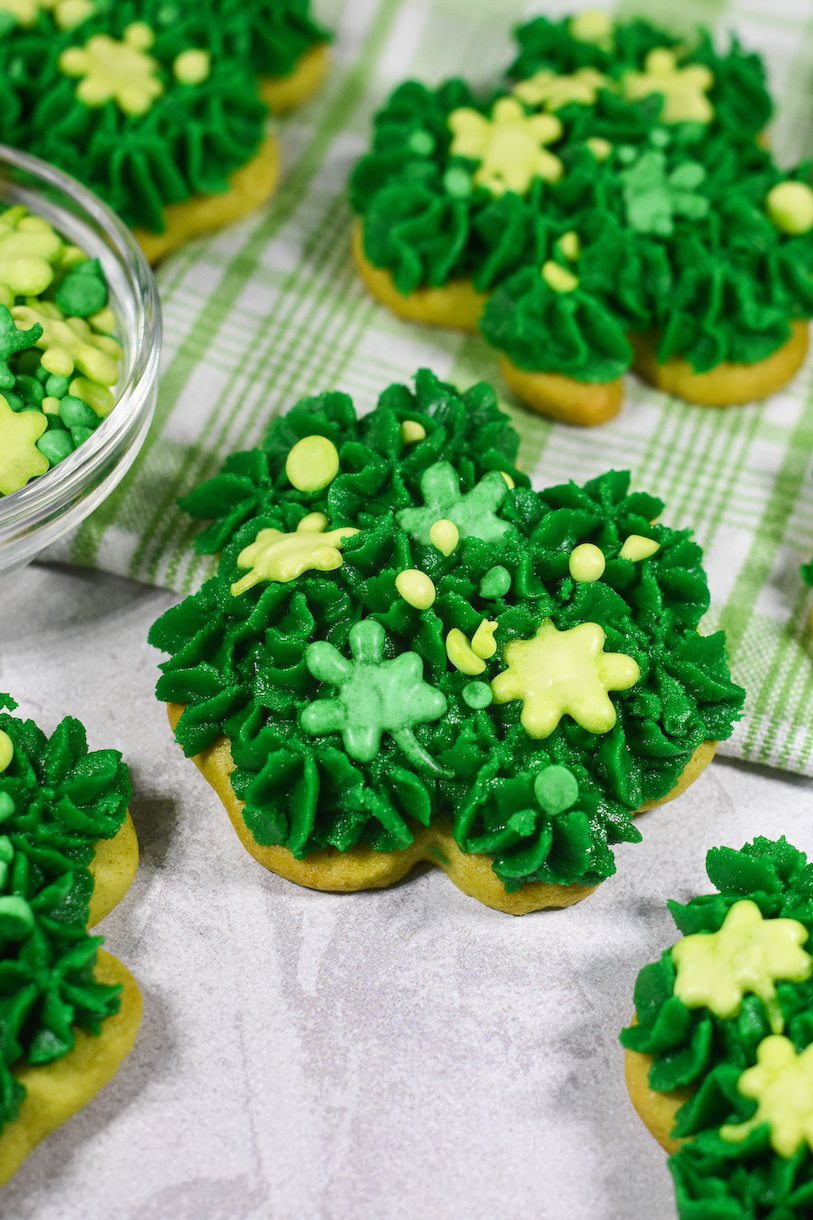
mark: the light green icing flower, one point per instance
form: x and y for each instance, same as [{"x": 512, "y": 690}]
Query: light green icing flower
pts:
[
  {"x": 749, "y": 953},
  {"x": 116, "y": 71},
  {"x": 375, "y": 697},
  {"x": 593, "y": 26},
  {"x": 653, "y": 198},
  {"x": 782, "y": 1085},
  {"x": 684, "y": 89},
  {"x": 472, "y": 513},
  {"x": 67, "y": 13},
  {"x": 564, "y": 672},
  {"x": 509, "y": 146}
]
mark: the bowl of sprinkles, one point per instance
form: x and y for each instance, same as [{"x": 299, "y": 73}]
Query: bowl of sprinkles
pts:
[{"x": 80, "y": 338}]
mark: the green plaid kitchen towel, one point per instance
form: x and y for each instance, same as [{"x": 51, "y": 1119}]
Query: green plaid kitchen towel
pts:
[{"x": 271, "y": 310}]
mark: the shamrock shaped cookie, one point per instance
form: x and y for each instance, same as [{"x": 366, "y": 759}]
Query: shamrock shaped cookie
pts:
[
  {"x": 480, "y": 675},
  {"x": 720, "y": 1057},
  {"x": 611, "y": 206},
  {"x": 160, "y": 108},
  {"x": 69, "y": 1011}
]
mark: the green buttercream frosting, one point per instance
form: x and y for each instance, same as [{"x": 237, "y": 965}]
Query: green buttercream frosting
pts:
[
  {"x": 674, "y": 236},
  {"x": 192, "y": 136},
  {"x": 348, "y": 721},
  {"x": 718, "y": 1177},
  {"x": 56, "y": 801}
]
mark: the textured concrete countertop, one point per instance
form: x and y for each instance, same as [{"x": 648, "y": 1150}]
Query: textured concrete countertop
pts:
[{"x": 303, "y": 1055}]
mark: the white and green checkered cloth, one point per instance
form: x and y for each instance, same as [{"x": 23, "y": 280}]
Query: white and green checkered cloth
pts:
[{"x": 271, "y": 310}]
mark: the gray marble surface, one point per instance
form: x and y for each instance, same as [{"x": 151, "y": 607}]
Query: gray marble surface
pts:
[{"x": 396, "y": 1054}]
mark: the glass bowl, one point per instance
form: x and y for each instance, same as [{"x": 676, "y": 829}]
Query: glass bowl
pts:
[{"x": 56, "y": 502}]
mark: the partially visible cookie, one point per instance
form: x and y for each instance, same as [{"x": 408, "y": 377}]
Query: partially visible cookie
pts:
[
  {"x": 69, "y": 1011},
  {"x": 161, "y": 109},
  {"x": 611, "y": 206},
  {"x": 719, "y": 1058}
]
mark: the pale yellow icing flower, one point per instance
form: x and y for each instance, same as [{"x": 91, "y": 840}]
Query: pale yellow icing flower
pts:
[
  {"x": 20, "y": 459},
  {"x": 552, "y": 91},
  {"x": 782, "y": 1084},
  {"x": 684, "y": 89},
  {"x": 594, "y": 26},
  {"x": 509, "y": 146},
  {"x": 564, "y": 672},
  {"x": 116, "y": 71},
  {"x": 747, "y": 954},
  {"x": 281, "y": 557},
  {"x": 67, "y": 13}
]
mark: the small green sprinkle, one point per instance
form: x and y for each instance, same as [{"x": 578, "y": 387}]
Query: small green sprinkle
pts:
[
  {"x": 6, "y": 849},
  {"x": 659, "y": 138},
  {"x": 16, "y": 918},
  {"x": 556, "y": 789},
  {"x": 15, "y": 401},
  {"x": 496, "y": 582},
  {"x": 477, "y": 694},
  {"x": 56, "y": 387},
  {"x": 626, "y": 153},
  {"x": 42, "y": 375},
  {"x": 75, "y": 413},
  {"x": 56, "y": 446},
  {"x": 31, "y": 389},
  {"x": 55, "y": 424},
  {"x": 457, "y": 182},
  {"x": 80, "y": 435},
  {"x": 6, "y": 806},
  {"x": 83, "y": 291},
  {"x": 422, "y": 143}
]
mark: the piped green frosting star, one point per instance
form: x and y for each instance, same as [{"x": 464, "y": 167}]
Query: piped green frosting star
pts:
[
  {"x": 12, "y": 341},
  {"x": 474, "y": 512},
  {"x": 20, "y": 459},
  {"x": 749, "y": 953},
  {"x": 375, "y": 697}
]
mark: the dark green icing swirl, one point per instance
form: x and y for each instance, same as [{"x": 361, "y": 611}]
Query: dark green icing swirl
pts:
[
  {"x": 56, "y": 801},
  {"x": 715, "y": 1178},
  {"x": 193, "y": 136},
  {"x": 238, "y": 663},
  {"x": 675, "y": 241}
]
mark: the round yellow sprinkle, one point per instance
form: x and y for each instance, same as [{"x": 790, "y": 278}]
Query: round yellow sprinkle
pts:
[
  {"x": 445, "y": 536},
  {"x": 97, "y": 396},
  {"x": 412, "y": 431},
  {"x": 416, "y": 588},
  {"x": 192, "y": 67},
  {"x": 6, "y": 750},
  {"x": 599, "y": 147},
  {"x": 508, "y": 479},
  {"x": 790, "y": 207},
  {"x": 312, "y": 464},
  {"x": 569, "y": 245},
  {"x": 559, "y": 278},
  {"x": 586, "y": 563},
  {"x": 461, "y": 655},
  {"x": 483, "y": 643},
  {"x": 51, "y": 405},
  {"x": 636, "y": 547},
  {"x": 593, "y": 25}
]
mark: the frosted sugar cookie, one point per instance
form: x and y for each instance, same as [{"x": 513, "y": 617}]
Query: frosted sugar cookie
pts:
[
  {"x": 609, "y": 208},
  {"x": 160, "y": 108},
  {"x": 719, "y": 1060},
  {"x": 68, "y": 853},
  {"x": 407, "y": 653}
]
